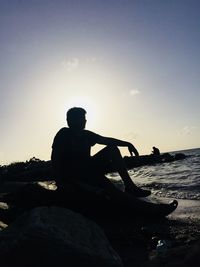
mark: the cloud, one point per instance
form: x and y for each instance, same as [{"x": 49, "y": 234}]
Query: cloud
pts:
[
  {"x": 187, "y": 130},
  {"x": 134, "y": 92},
  {"x": 90, "y": 60},
  {"x": 72, "y": 64}
]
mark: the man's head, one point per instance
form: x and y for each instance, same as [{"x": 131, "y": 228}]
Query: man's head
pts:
[{"x": 76, "y": 118}]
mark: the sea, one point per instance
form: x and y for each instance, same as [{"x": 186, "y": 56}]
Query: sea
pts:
[{"x": 179, "y": 179}]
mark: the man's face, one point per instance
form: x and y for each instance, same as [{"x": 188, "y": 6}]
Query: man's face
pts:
[
  {"x": 81, "y": 122},
  {"x": 78, "y": 123}
]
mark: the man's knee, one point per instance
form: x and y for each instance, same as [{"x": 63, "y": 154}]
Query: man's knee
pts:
[
  {"x": 113, "y": 150},
  {"x": 107, "y": 154}
]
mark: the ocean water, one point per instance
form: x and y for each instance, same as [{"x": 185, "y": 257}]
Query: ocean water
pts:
[{"x": 178, "y": 180}]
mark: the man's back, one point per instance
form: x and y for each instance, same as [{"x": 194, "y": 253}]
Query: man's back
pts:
[
  {"x": 71, "y": 152},
  {"x": 74, "y": 145}
]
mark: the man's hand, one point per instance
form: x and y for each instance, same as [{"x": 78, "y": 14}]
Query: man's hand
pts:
[{"x": 132, "y": 150}]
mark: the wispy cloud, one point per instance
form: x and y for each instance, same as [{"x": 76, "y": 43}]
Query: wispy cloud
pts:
[
  {"x": 134, "y": 92},
  {"x": 70, "y": 65},
  {"x": 90, "y": 60},
  {"x": 74, "y": 63},
  {"x": 187, "y": 130}
]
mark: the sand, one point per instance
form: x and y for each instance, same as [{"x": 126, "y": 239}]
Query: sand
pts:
[{"x": 187, "y": 209}]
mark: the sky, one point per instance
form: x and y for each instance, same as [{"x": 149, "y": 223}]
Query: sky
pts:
[{"x": 134, "y": 65}]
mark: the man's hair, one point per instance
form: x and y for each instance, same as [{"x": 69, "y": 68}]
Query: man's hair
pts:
[{"x": 74, "y": 113}]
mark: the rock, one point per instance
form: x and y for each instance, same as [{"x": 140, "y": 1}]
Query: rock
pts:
[
  {"x": 187, "y": 255},
  {"x": 179, "y": 256},
  {"x": 54, "y": 236},
  {"x": 179, "y": 156},
  {"x": 192, "y": 257}
]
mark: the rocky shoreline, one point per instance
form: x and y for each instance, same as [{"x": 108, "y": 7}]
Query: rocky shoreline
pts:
[
  {"x": 38, "y": 232},
  {"x": 130, "y": 240}
]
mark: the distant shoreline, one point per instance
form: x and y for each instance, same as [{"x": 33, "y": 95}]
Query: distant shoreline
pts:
[{"x": 162, "y": 152}]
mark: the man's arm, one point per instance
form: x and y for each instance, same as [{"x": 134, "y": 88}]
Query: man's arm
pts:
[{"x": 109, "y": 141}]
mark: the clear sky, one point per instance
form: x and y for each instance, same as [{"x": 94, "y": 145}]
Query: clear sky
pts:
[{"x": 134, "y": 65}]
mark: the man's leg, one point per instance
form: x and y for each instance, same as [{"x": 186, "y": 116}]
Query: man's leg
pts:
[
  {"x": 111, "y": 155},
  {"x": 136, "y": 206}
]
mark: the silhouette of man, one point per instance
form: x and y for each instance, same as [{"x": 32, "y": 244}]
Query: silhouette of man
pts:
[
  {"x": 73, "y": 163},
  {"x": 156, "y": 151}
]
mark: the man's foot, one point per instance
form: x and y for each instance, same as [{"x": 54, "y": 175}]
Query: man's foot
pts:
[
  {"x": 137, "y": 192},
  {"x": 166, "y": 209}
]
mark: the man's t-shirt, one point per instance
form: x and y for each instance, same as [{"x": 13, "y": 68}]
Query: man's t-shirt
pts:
[
  {"x": 71, "y": 151},
  {"x": 74, "y": 145}
]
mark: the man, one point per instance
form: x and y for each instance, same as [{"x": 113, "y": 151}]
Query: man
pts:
[
  {"x": 72, "y": 161},
  {"x": 76, "y": 171},
  {"x": 155, "y": 151}
]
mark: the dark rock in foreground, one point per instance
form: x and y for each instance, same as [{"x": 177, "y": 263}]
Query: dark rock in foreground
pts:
[{"x": 53, "y": 236}]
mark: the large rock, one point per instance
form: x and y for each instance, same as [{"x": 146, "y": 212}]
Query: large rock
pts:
[{"x": 53, "y": 236}]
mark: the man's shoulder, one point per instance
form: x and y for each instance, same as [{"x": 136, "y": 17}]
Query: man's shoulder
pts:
[
  {"x": 93, "y": 137},
  {"x": 87, "y": 131},
  {"x": 60, "y": 137},
  {"x": 61, "y": 133},
  {"x": 90, "y": 133}
]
